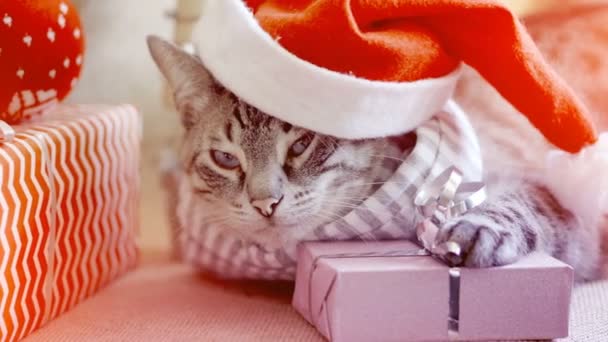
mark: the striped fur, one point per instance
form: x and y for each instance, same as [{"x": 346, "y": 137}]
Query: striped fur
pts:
[{"x": 519, "y": 218}]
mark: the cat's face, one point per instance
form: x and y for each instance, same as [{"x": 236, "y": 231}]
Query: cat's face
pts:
[
  {"x": 263, "y": 178},
  {"x": 266, "y": 178}
]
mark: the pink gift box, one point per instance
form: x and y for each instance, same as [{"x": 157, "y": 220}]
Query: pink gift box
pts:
[{"x": 394, "y": 291}]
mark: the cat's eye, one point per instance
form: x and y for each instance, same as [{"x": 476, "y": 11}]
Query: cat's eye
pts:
[
  {"x": 225, "y": 160},
  {"x": 300, "y": 146}
]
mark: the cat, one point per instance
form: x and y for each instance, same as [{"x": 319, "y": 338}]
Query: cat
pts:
[
  {"x": 266, "y": 179},
  {"x": 270, "y": 181}
]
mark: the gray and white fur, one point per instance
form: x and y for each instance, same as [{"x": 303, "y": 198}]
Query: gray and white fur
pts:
[{"x": 272, "y": 182}]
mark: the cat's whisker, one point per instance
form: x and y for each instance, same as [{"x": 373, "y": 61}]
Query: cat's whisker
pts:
[
  {"x": 354, "y": 204},
  {"x": 353, "y": 198},
  {"x": 348, "y": 206},
  {"x": 364, "y": 184},
  {"x": 355, "y": 187},
  {"x": 381, "y": 156},
  {"x": 375, "y": 183},
  {"x": 326, "y": 216},
  {"x": 346, "y": 196},
  {"x": 342, "y": 204},
  {"x": 339, "y": 206}
]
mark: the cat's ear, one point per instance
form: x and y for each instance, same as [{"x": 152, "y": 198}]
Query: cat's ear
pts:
[{"x": 192, "y": 85}]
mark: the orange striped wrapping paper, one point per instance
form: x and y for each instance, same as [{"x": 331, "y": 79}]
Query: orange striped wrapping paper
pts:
[{"x": 69, "y": 191}]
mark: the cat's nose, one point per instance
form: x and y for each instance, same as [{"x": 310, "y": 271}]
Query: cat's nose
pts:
[{"x": 268, "y": 206}]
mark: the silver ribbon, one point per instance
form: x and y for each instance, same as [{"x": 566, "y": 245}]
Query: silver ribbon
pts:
[{"x": 440, "y": 200}]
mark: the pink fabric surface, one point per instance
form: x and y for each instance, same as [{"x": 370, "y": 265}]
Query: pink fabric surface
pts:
[{"x": 169, "y": 302}]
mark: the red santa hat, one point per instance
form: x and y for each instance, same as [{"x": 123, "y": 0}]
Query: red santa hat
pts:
[{"x": 361, "y": 69}]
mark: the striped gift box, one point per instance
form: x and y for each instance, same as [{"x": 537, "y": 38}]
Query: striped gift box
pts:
[{"x": 69, "y": 188}]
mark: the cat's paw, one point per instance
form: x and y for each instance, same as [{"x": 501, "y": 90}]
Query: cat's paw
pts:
[{"x": 481, "y": 245}]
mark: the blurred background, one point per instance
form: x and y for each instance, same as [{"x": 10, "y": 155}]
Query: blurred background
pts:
[{"x": 119, "y": 70}]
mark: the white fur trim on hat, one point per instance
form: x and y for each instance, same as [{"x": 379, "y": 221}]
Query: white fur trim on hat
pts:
[
  {"x": 580, "y": 181},
  {"x": 249, "y": 62}
]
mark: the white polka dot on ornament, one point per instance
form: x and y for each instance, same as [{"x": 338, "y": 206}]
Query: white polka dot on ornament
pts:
[
  {"x": 27, "y": 39},
  {"x": 28, "y": 98},
  {"x": 51, "y": 35},
  {"x": 61, "y": 21},
  {"x": 47, "y": 95},
  {"x": 8, "y": 21},
  {"x": 63, "y": 8}
]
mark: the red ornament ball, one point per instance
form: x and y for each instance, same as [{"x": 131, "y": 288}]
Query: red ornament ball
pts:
[{"x": 41, "y": 55}]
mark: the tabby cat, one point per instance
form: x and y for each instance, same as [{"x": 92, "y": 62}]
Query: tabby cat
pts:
[{"x": 270, "y": 181}]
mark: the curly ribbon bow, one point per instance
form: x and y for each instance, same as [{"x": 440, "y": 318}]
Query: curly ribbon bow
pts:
[{"x": 439, "y": 200}]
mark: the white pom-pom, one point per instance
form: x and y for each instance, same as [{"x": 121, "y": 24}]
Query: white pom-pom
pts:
[{"x": 580, "y": 181}]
